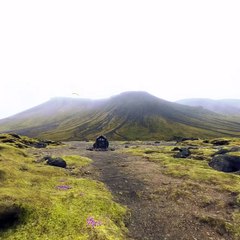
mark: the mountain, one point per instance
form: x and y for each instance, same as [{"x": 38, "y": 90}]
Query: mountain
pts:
[
  {"x": 127, "y": 116},
  {"x": 224, "y": 106}
]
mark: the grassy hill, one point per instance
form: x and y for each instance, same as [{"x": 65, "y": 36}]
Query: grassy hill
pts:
[{"x": 128, "y": 116}]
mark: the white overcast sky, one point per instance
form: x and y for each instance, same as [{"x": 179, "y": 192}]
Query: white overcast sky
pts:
[{"x": 172, "y": 49}]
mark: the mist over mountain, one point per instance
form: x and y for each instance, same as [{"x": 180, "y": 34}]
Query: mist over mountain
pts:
[
  {"x": 223, "y": 106},
  {"x": 127, "y": 116}
]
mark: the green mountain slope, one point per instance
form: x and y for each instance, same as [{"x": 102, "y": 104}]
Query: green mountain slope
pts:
[{"x": 128, "y": 116}]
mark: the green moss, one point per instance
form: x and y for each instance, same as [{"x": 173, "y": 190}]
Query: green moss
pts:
[{"x": 56, "y": 204}]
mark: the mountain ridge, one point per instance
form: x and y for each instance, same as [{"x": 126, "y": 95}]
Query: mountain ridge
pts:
[
  {"x": 221, "y": 106},
  {"x": 127, "y": 116}
]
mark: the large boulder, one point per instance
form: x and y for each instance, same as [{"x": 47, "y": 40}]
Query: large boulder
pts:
[
  {"x": 225, "y": 163},
  {"x": 56, "y": 162}
]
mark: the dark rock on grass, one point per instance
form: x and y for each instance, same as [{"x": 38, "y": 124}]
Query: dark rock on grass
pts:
[
  {"x": 56, "y": 162},
  {"x": 15, "y": 135},
  {"x": 8, "y": 141},
  {"x": 39, "y": 145},
  {"x": 235, "y": 149},
  {"x": 221, "y": 151},
  {"x": 175, "y": 149},
  {"x": 90, "y": 149},
  {"x": 10, "y": 215},
  {"x": 182, "y": 139},
  {"x": 183, "y": 153},
  {"x": 218, "y": 142},
  {"x": 225, "y": 163}
]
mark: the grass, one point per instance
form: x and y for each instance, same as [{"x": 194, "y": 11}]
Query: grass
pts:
[
  {"x": 55, "y": 204},
  {"x": 196, "y": 171}
]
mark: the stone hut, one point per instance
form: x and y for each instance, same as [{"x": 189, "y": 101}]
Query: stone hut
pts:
[{"x": 101, "y": 143}]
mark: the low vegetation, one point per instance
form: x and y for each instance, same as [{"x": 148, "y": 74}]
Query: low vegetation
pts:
[
  {"x": 38, "y": 201},
  {"x": 198, "y": 183}
]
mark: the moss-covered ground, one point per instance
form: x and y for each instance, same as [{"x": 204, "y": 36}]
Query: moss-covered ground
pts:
[
  {"x": 55, "y": 203},
  {"x": 198, "y": 182}
]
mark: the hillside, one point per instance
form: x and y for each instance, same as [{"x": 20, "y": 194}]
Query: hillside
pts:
[
  {"x": 224, "y": 106},
  {"x": 128, "y": 116}
]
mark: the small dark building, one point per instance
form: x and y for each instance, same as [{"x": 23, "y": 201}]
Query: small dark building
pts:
[{"x": 101, "y": 143}]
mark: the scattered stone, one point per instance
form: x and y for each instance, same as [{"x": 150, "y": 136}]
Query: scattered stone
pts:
[
  {"x": 225, "y": 163},
  {"x": 56, "y": 162},
  {"x": 39, "y": 145},
  {"x": 221, "y": 151},
  {"x": 8, "y": 141},
  {"x": 90, "y": 149},
  {"x": 218, "y": 142},
  {"x": 183, "y": 153},
  {"x": 235, "y": 149},
  {"x": 176, "y": 149},
  {"x": 15, "y": 135},
  {"x": 182, "y": 139}
]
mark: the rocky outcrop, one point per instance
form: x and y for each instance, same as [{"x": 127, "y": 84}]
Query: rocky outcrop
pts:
[{"x": 225, "y": 163}]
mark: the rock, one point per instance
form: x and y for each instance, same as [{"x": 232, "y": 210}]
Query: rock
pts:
[
  {"x": 225, "y": 163},
  {"x": 101, "y": 143},
  {"x": 56, "y": 162},
  {"x": 182, "y": 139},
  {"x": 183, "y": 153},
  {"x": 15, "y": 135},
  {"x": 39, "y": 145},
  {"x": 9, "y": 215},
  {"x": 175, "y": 149},
  {"x": 8, "y": 141},
  {"x": 219, "y": 142},
  {"x": 206, "y": 141},
  {"x": 235, "y": 149},
  {"x": 221, "y": 151}
]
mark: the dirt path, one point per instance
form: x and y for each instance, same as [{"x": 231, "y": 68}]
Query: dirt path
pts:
[{"x": 157, "y": 210}]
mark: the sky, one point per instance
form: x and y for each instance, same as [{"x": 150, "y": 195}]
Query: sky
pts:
[{"x": 96, "y": 49}]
